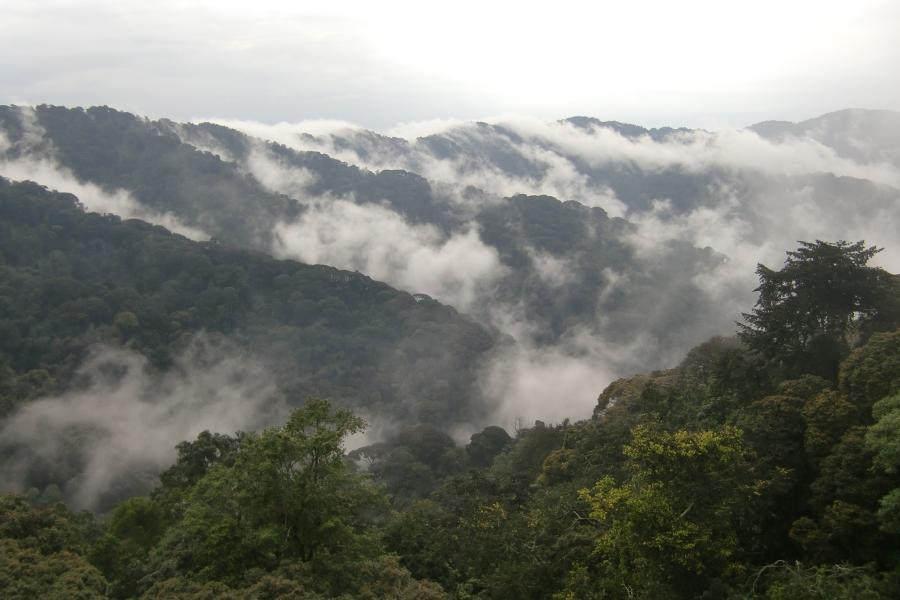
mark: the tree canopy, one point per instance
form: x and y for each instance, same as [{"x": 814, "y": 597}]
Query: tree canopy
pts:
[
  {"x": 692, "y": 483},
  {"x": 819, "y": 305}
]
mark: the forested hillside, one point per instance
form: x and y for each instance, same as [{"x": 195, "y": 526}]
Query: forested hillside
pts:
[
  {"x": 118, "y": 151},
  {"x": 575, "y": 235},
  {"x": 72, "y": 282},
  {"x": 744, "y": 472},
  {"x": 552, "y": 262},
  {"x": 373, "y": 300},
  {"x": 72, "y": 278},
  {"x": 572, "y": 253}
]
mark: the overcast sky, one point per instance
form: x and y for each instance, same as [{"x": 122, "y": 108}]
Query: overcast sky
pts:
[{"x": 379, "y": 63}]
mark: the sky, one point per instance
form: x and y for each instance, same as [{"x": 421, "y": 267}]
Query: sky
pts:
[{"x": 695, "y": 63}]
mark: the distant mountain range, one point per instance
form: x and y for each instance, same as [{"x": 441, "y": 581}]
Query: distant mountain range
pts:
[
  {"x": 595, "y": 238},
  {"x": 525, "y": 265},
  {"x": 854, "y": 133}
]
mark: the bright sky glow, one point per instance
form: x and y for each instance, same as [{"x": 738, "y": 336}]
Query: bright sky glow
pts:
[{"x": 694, "y": 62}]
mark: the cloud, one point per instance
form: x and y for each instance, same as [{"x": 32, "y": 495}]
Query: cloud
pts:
[
  {"x": 285, "y": 133},
  {"x": 552, "y": 174},
  {"x": 371, "y": 238},
  {"x": 757, "y": 225},
  {"x": 117, "y": 432},
  {"x": 756, "y": 199},
  {"x": 413, "y": 129},
  {"x": 517, "y": 154},
  {"x": 94, "y": 198},
  {"x": 552, "y": 270},
  {"x": 760, "y": 197},
  {"x": 525, "y": 382},
  {"x": 382, "y": 63},
  {"x": 276, "y": 176},
  {"x": 748, "y": 200},
  {"x": 35, "y": 161},
  {"x": 696, "y": 151}
]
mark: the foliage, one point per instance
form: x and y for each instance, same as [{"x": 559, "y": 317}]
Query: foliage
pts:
[
  {"x": 46, "y": 529},
  {"x": 674, "y": 524},
  {"x": 786, "y": 581},
  {"x": 811, "y": 312},
  {"x": 883, "y": 439},
  {"x": 718, "y": 478},
  {"x": 412, "y": 463},
  {"x": 70, "y": 279},
  {"x": 288, "y": 496},
  {"x": 872, "y": 372},
  {"x": 26, "y": 574},
  {"x": 194, "y": 461},
  {"x": 485, "y": 445},
  {"x": 42, "y": 553}
]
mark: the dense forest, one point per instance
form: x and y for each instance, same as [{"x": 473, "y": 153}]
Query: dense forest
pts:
[
  {"x": 555, "y": 262},
  {"x": 327, "y": 301},
  {"x": 765, "y": 465},
  {"x": 69, "y": 279},
  {"x": 73, "y": 283}
]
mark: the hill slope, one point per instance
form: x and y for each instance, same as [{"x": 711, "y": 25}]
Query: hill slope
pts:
[{"x": 71, "y": 278}]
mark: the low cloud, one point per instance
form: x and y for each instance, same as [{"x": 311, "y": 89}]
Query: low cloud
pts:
[
  {"x": 34, "y": 160},
  {"x": 552, "y": 270},
  {"x": 756, "y": 198},
  {"x": 557, "y": 175},
  {"x": 524, "y": 382},
  {"x": 411, "y": 130},
  {"x": 277, "y": 176},
  {"x": 511, "y": 155},
  {"x": 746, "y": 198},
  {"x": 94, "y": 198},
  {"x": 284, "y": 133},
  {"x": 373, "y": 239},
  {"x": 697, "y": 151},
  {"x": 112, "y": 436}
]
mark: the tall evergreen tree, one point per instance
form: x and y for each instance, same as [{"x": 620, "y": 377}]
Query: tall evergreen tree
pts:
[{"x": 823, "y": 301}]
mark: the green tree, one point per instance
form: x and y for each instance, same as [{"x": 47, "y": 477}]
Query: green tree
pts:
[
  {"x": 26, "y": 574},
  {"x": 195, "y": 459},
  {"x": 486, "y": 445},
  {"x": 811, "y": 312},
  {"x": 883, "y": 439},
  {"x": 132, "y": 530},
  {"x": 289, "y": 496},
  {"x": 42, "y": 553},
  {"x": 786, "y": 581},
  {"x": 872, "y": 372},
  {"x": 673, "y": 526}
]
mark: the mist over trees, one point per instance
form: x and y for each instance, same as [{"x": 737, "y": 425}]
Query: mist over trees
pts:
[
  {"x": 99, "y": 311},
  {"x": 273, "y": 364},
  {"x": 727, "y": 477},
  {"x": 583, "y": 236}
]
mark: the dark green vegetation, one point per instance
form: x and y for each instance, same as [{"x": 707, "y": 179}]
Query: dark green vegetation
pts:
[
  {"x": 70, "y": 279},
  {"x": 116, "y": 150},
  {"x": 725, "y": 477},
  {"x": 276, "y": 514},
  {"x": 812, "y": 311},
  {"x": 119, "y": 150},
  {"x": 562, "y": 263},
  {"x": 764, "y": 465}
]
